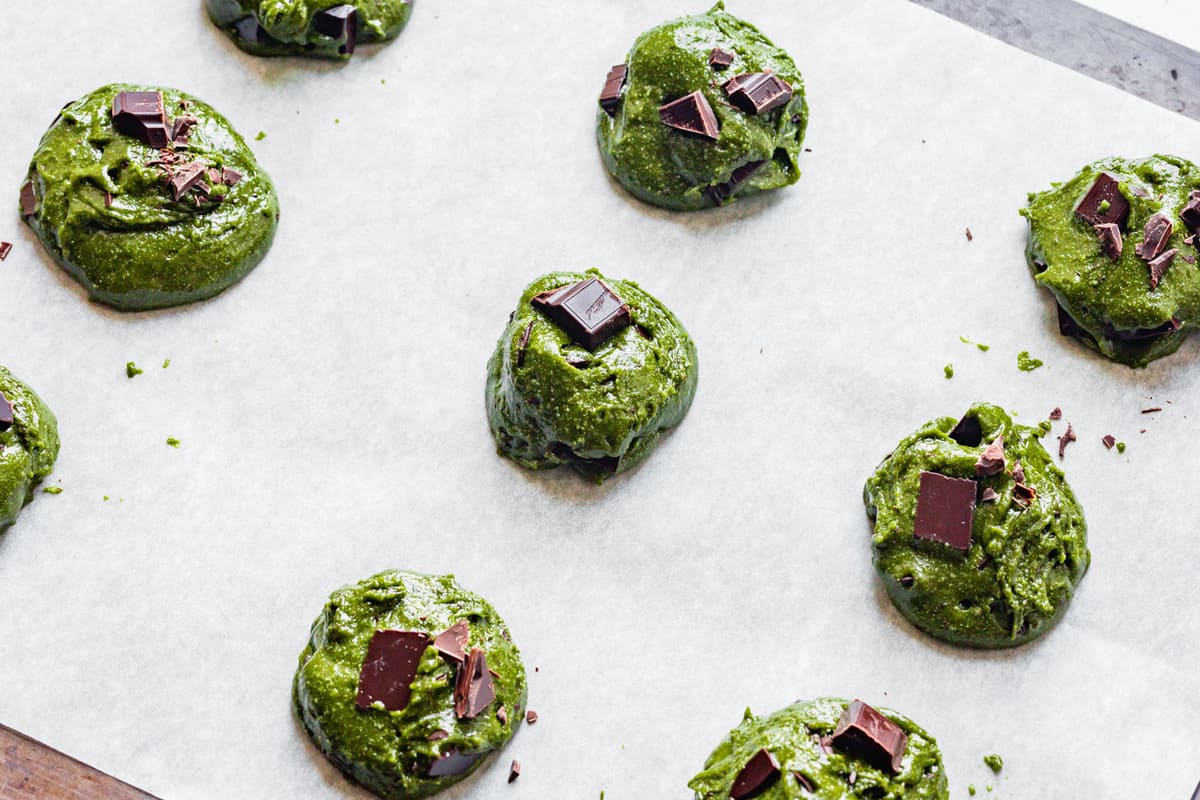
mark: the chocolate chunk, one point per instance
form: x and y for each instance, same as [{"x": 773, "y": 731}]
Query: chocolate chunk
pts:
[
  {"x": 589, "y": 312},
  {"x": 945, "y": 510},
  {"x": 1065, "y": 440},
  {"x": 690, "y": 114},
  {"x": 991, "y": 461},
  {"x": 186, "y": 178},
  {"x": 1108, "y": 441},
  {"x": 452, "y": 642},
  {"x": 1111, "y": 243},
  {"x": 389, "y": 668},
  {"x": 989, "y": 495},
  {"x": 250, "y": 31},
  {"x": 473, "y": 691},
  {"x": 968, "y": 432},
  {"x": 721, "y": 192},
  {"x": 141, "y": 115},
  {"x": 804, "y": 782},
  {"x": 1190, "y": 213},
  {"x": 531, "y": 717},
  {"x": 29, "y": 202},
  {"x": 758, "y": 92},
  {"x": 514, "y": 771},
  {"x": 1056, "y": 414},
  {"x": 760, "y": 773},
  {"x": 720, "y": 59},
  {"x": 182, "y": 127},
  {"x": 864, "y": 733},
  {"x": 453, "y": 763},
  {"x": 610, "y": 97},
  {"x": 1104, "y": 203},
  {"x": 1159, "y": 266},
  {"x": 230, "y": 177},
  {"x": 1157, "y": 235},
  {"x": 1024, "y": 494},
  {"x": 6, "y": 413},
  {"x": 339, "y": 22},
  {"x": 1018, "y": 472},
  {"x": 5, "y": 249}
]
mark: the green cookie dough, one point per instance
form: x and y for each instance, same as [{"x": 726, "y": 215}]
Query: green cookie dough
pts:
[
  {"x": 1025, "y": 557},
  {"x": 551, "y": 401},
  {"x": 794, "y": 735},
  {"x": 681, "y": 170},
  {"x": 1108, "y": 303},
  {"x": 103, "y": 206},
  {"x": 28, "y": 445},
  {"x": 392, "y": 753},
  {"x": 308, "y": 27}
]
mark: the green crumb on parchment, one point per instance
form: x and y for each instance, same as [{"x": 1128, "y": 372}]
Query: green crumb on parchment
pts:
[
  {"x": 995, "y": 763},
  {"x": 172, "y": 442},
  {"x": 261, "y": 135},
  {"x": 971, "y": 790},
  {"x": 131, "y": 369},
  {"x": 1026, "y": 362},
  {"x": 983, "y": 347},
  {"x": 166, "y": 363},
  {"x": 106, "y": 498},
  {"x": 1120, "y": 447},
  {"x": 53, "y": 490},
  {"x": 949, "y": 371}
]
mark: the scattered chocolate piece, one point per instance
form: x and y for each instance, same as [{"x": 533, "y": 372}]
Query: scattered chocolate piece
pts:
[
  {"x": 230, "y": 176},
  {"x": 186, "y": 178},
  {"x": 589, "y": 312},
  {"x": 1190, "y": 213},
  {"x": 1109, "y": 440},
  {"x": 1056, "y": 414},
  {"x": 1157, "y": 234},
  {"x": 610, "y": 97},
  {"x": 438, "y": 735},
  {"x": 1065, "y": 440},
  {"x": 720, "y": 59},
  {"x": 183, "y": 127},
  {"x": 108, "y": 199},
  {"x": 1104, "y": 203},
  {"x": 760, "y": 773},
  {"x": 1024, "y": 494},
  {"x": 1151, "y": 410},
  {"x": 29, "y": 203},
  {"x": 452, "y": 642},
  {"x": 5, "y": 249},
  {"x": 502, "y": 715},
  {"x": 991, "y": 461},
  {"x": 389, "y": 668},
  {"x": 473, "y": 691},
  {"x": 864, "y": 733},
  {"x": 1018, "y": 473},
  {"x": 758, "y": 92},
  {"x": 1190, "y": 240},
  {"x": 453, "y": 763},
  {"x": 1111, "y": 243},
  {"x": 968, "y": 432},
  {"x": 690, "y": 114},
  {"x": 339, "y": 22},
  {"x": 514, "y": 771},
  {"x": 907, "y": 581},
  {"x": 945, "y": 510},
  {"x": 523, "y": 343},
  {"x": 804, "y": 782},
  {"x": 1189, "y": 259},
  {"x": 989, "y": 496},
  {"x": 6, "y": 413},
  {"x": 531, "y": 717},
  {"x": 141, "y": 115},
  {"x": 970, "y": 236},
  {"x": 1160, "y": 265},
  {"x": 720, "y": 192}
]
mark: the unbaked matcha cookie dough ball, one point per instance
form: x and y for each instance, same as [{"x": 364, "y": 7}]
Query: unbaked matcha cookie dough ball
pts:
[
  {"x": 28, "y": 445},
  {"x": 978, "y": 538},
  {"x": 704, "y": 109},
  {"x": 1117, "y": 246},
  {"x": 409, "y": 682},
  {"x": 588, "y": 372},
  {"x": 319, "y": 28},
  {"x": 148, "y": 198},
  {"x": 827, "y": 749}
]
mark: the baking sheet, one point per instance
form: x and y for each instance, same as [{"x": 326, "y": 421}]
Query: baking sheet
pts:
[{"x": 330, "y": 410}]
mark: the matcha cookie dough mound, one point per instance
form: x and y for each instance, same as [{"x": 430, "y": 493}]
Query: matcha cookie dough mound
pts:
[
  {"x": 408, "y": 682},
  {"x": 704, "y": 109},
  {"x": 588, "y": 372},
  {"x": 148, "y": 198},
  {"x": 319, "y": 28},
  {"x": 827, "y": 749},
  {"x": 28, "y": 445},
  {"x": 978, "y": 538},
  {"x": 1117, "y": 245}
]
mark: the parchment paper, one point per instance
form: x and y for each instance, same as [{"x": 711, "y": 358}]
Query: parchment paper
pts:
[{"x": 330, "y": 410}]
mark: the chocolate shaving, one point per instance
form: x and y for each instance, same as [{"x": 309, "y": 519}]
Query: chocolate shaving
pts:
[
  {"x": 1159, "y": 267},
  {"x": 862, "y": 732},
  {"x": 1065, "y": 440},
  {"x": 720, "y": 192},
  {"x": 1056, "y": 414},
  {"x": 523, "y": 343},
  {"x": 230, "y": 177},
  {"x": 182, "y": 128},
  {"x": 142, "y": 116},
  {"x": 720, "y": 59},
  {"x": 1151, "y": 410},
  {"x": 610, "y": 97},
  {"x": 804, "y": 782},
  {"x": 186, "y": 178},
  {"x": 452, "y": 642},
  {"x": 1108, "y": 441},
  {"x": 5, "y": 249},
  {"x": 945, "y": 510},
  {"x": 589, "y": 312},
  {"x": 340, "y": 23},
  {"x": 389, "y": 668},
  {"x": 758, "y": 92},
  {"x": 29, "y": 202},
  {"x": 989, "y": 495},
  {"x": 453, "y": 763},
  {"x": 991, "y": 461},
  {"x": 1104, "y": 203},
  {"x": 1018, "y": 472},
  {"x": 1023, "y": 494},
  {"x": 759, "y": 774},
  {"x": 1111, "y": 243},
  {"x": 690, "y": 114},
  {"x": 6, "y": 413},
  {"x": 514, "y": 771},
  {"x": 1157, "y": 235},
  {"x": 474, "y": 690}
]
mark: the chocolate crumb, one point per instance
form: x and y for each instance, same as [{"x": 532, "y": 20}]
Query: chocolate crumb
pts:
[
  {"x": 907, "y": 581},
  {"x": 502, "y": 715},
  {"x": 805, "y": 783},
  {"x": 1065, "y": 439},
  {"x": 5, "y": 249},
  {"x": 1024, "y": 494},
  {"x": 1109, "y": 440},
  {"x": 1018, "y": 473},
  {"x": 531, "y": 716},
  {"x": 991, "y": 461},
  {"x": 970, "y": 236},
  {"x": 230, "y": 176},
  {"x": 514, "y": 771},
  {"x": 989, "y": 496},
  {"x": 1151, "y": 410},
  {"x": 1056, "y": 414}
]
